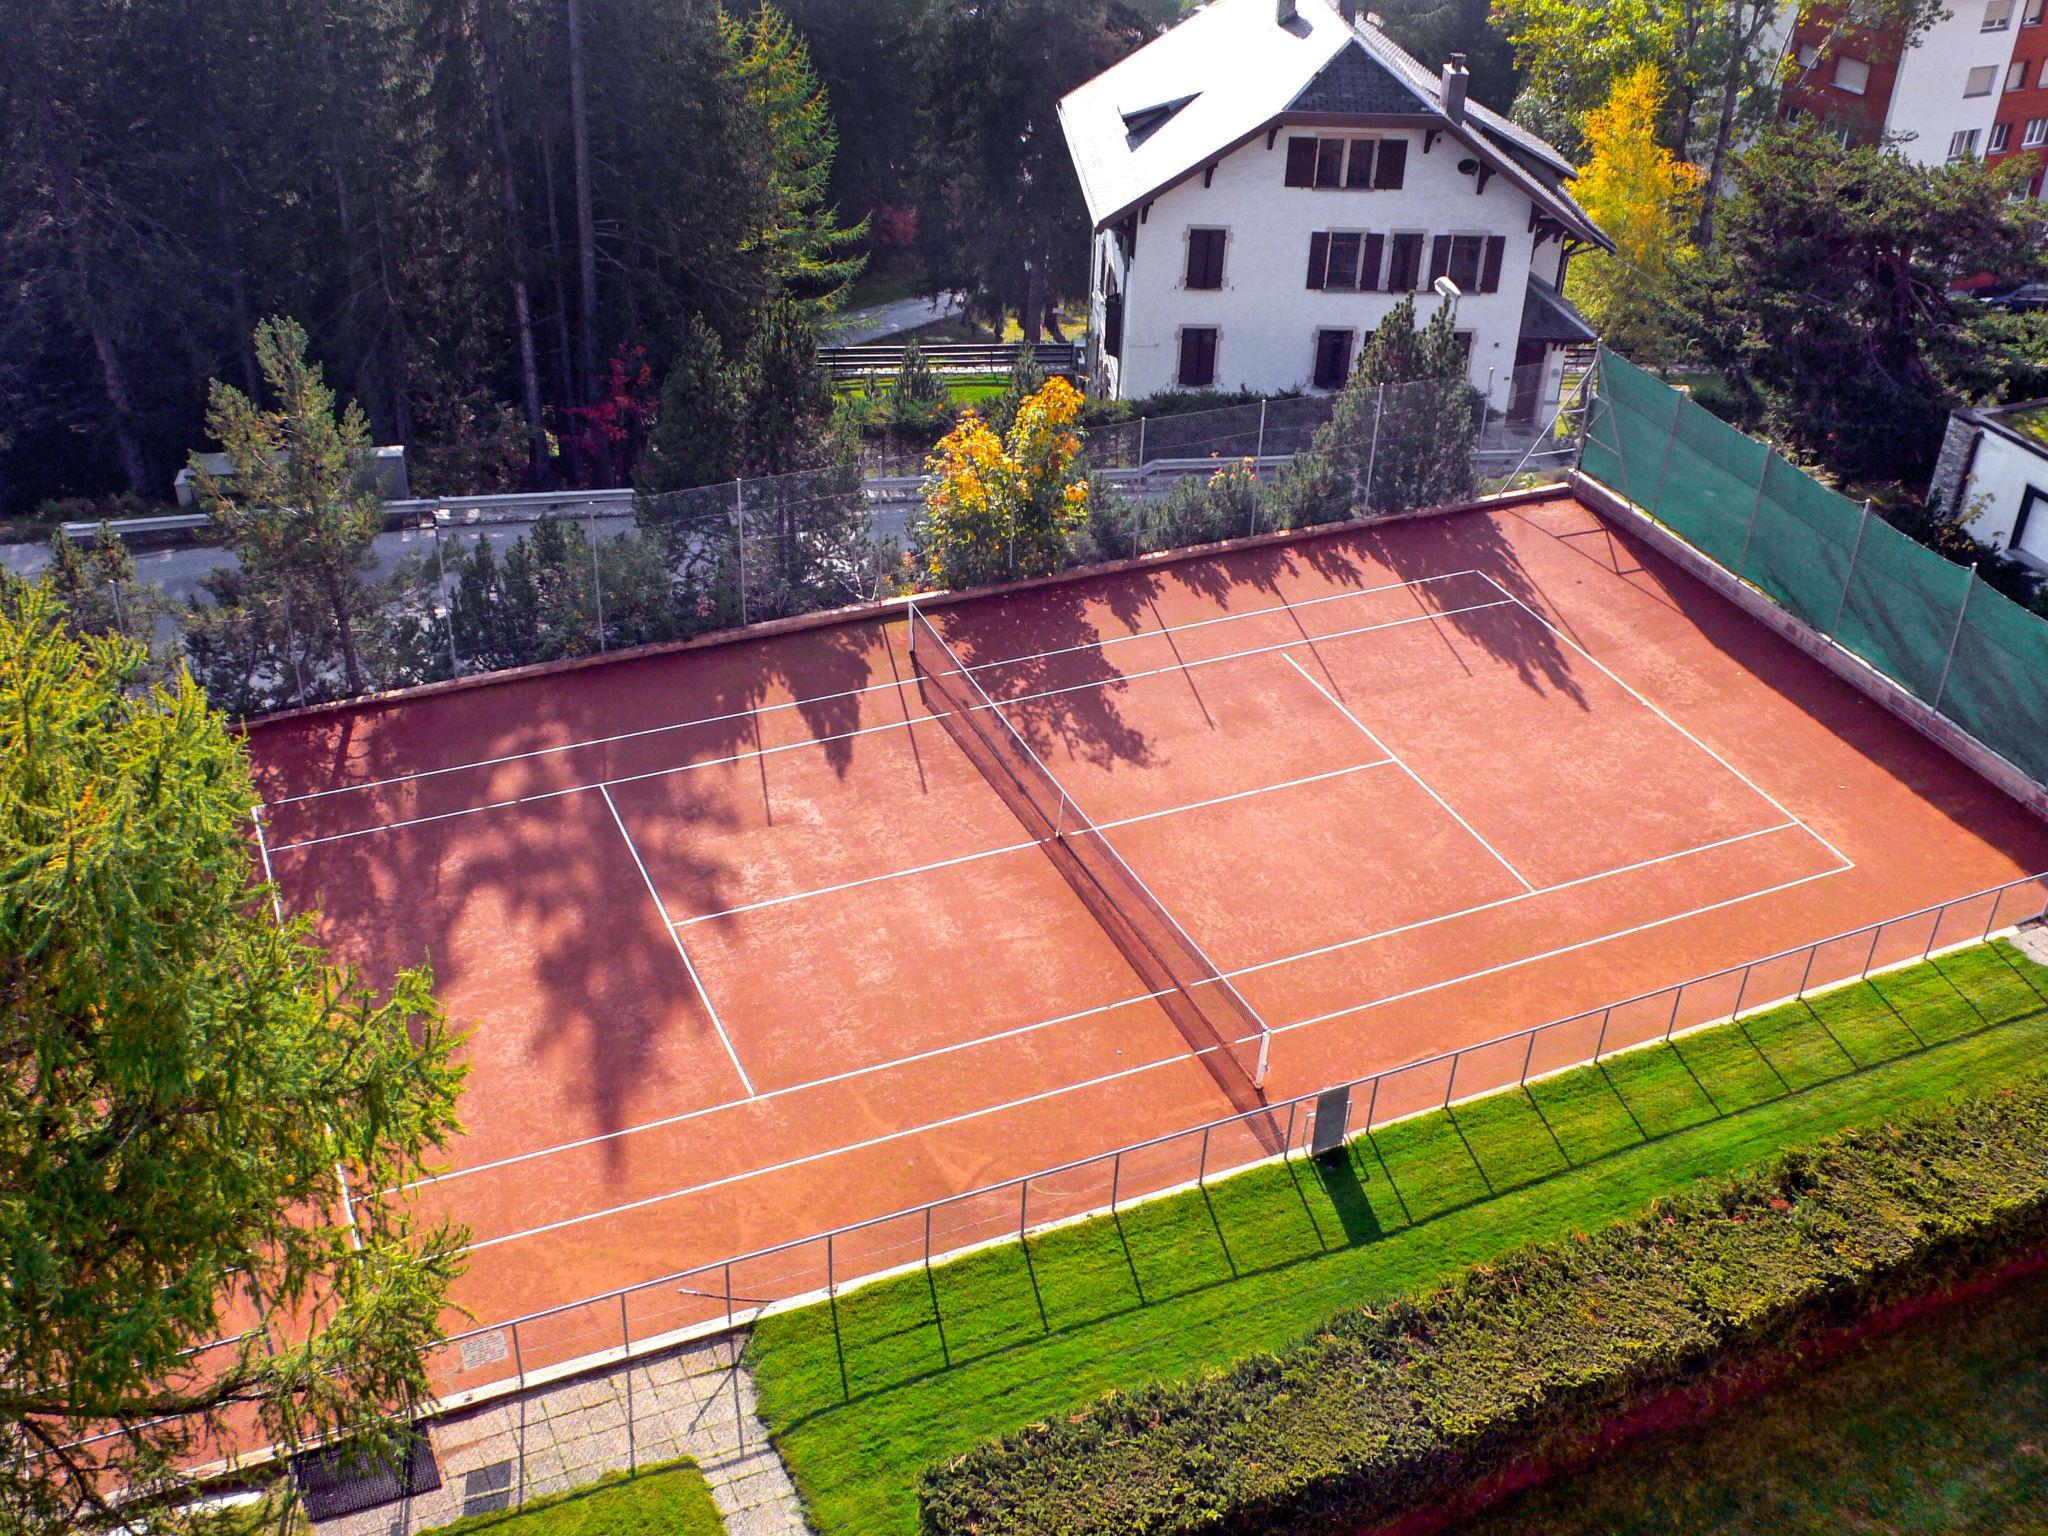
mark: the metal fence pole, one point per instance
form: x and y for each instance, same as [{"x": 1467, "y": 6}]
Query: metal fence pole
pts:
[
  {"x": 596, "y": 574},
  {"x": 1812, "y": 954},
  {"x": 1202, "y": 1172},
  {"x": 1139, "y": 464},
  {"x": 1372, "y": 1103},
  {"x": 831, "y": 1285},
  {"x": 1287, "y": 1145},
  {"x": 1756, "y": 503},
  {"x": 1849, "y": 575},
  {"x": 1528, "y": 1056},
  {"x": 1670, "y": 444},
  {"x": 1116, "y": 1178},
  {"x": 728, "y": 1298},
  {"x": 1451, "y": 1087},
  {"x": 1372, "y": 454},
  {"x": 1258, "y": 463},
  {"x": 927, "y": 1237},
  {"x": 448, "y": 601},
  {"x": 1954, "y": 640},
  {"x": 1606, "y": 1017},
  {"x": 739, "y": 511},
  {"x": 1023, "y": 1207},
  {"x": 626, "y": 1332}
]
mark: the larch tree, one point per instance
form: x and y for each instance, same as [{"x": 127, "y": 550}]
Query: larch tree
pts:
[
  {"x": 187, "y": 1079},
  {"x": 1643, "y": 196}
]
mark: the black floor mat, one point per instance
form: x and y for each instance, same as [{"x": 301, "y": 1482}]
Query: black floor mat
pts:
[{"x": 332, "y": 1483}]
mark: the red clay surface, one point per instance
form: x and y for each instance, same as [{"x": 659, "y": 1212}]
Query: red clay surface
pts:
[{"x": 749, "y": 949}]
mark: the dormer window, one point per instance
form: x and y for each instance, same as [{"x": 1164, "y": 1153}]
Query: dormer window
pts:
[
  {"x": 1143, "y": 122},
  {"x": 1346, "y": 163}
]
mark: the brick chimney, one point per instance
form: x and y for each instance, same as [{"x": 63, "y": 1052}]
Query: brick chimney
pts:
[{"x": 1456, "y": 78}]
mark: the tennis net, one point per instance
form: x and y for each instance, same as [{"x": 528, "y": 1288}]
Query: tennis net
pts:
[{"x": 1221, "y": 1027}]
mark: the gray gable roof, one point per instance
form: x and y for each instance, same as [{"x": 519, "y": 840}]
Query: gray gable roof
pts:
[{"x": 1355, "y": 82}]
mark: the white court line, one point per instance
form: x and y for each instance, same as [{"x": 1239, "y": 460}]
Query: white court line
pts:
[
  {"x": 1767, "y": 796},
  {"x": 990, "y": 853},
  {"x": 819, "y": 1156},
  {"x": 1509, "y": 901},
  {"x": 709, "y": 1007},
  {"x": 772, "y": 1093},
  {"x": 1567, "y": 949},
  {"x": 1178, "y": 1056},
  {"x": 848, "y": 693},
  {"x": 866, "y": 730},
  {"x": 348, "y": 1204},
  {"x": 963, "y": 1045},
  {"x": 1499, "y": 857}
]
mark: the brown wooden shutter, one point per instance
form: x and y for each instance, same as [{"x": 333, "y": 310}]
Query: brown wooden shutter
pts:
[
  {"x": 1113, "y": 325},
  {"x": 1301, "y": 162},
  {"x": 1318, "y": 259},
  {"x": 1369, "y": 267},
  {"x": 1392, "y": 165},
  {"x": 1439, "y": 257},
  {"x": 1489, "y": 274}
]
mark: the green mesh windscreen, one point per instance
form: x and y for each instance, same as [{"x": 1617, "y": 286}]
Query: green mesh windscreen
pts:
[
  {"x": 1998, "y": 686},
  {"x": 1854, "y": 577},
  {"x": 1800, "y": 549},
  {"x": 1710, "y": 484}
]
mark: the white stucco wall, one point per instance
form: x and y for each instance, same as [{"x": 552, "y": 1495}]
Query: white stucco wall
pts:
[
  {"x": 2000, "y": 474},
  {"x": 1928, "y": 105},
  {"x": 1265, "y": 314}
]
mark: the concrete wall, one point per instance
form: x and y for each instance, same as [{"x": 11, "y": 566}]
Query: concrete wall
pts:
[{"x": 1265, "y": 313}]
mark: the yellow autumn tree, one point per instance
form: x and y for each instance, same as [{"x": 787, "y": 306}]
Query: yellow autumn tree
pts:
[
  {"x": 1644, "y": 197},
  {"x": 1000, "y": 507}
]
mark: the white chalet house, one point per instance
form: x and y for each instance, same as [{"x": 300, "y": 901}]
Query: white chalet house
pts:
[{"x": 1270, "y": 177}]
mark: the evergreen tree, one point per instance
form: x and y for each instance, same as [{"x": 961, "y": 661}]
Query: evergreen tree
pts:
[
  {"x": 807, "y": 252},
  {"x": 699, "y": 429},
  {"x": 299, "y": 508},
  {"x": 194, "y": 1082}
]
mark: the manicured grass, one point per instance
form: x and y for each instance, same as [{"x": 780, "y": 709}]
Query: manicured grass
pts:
[
  {"x": 667, "y": 1500},
  {"x": 863, "y": 1393},
  {"x": 1941, "y": 1428}
]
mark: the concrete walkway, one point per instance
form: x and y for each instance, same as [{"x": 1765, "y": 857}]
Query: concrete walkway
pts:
[{"x": 695, "y": 1401}]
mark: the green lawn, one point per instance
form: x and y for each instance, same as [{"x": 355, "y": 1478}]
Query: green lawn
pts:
[
  {"x": 1942, "y": 1428},
  {"x": 864, "y": 1393},
  {"x": 667, "y": 1500}
]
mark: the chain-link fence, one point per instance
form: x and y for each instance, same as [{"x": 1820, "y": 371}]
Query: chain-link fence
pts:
[
  {"x": 489, "y": 583},
  {"x": 1965, "y": 649}
]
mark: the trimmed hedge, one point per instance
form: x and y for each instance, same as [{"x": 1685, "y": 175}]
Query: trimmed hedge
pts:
[{"x": 1383, "y": 1411}]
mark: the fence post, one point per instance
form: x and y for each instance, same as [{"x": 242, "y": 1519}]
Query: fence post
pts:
[
  {"x": 1139, "y": 466},
  {"x": 1849, "y": 575},
  {"x": 626, "y": 1333},
  {"x": 1670, "y": 443},
  {"x": 728, "y": 1297},
  {"x": 1116, "y": 1178},
  {"x": 927, "y": 1237},
  {"x": 1954, "y": 640},
  {"x": 1258, "y": 463},
  {"x": 1756, "y": 503},
  {"x": 739, "y": 512},
  {"x": 1372, "y": 1103},
  {"x": 447, "y": 598},
  {"x": 596, "y": 573},
  {"x": 1741, "y": 992},
  {"x": 1023, "y": 1206},
  {"x": 831, "y": 1285},
  {"x": 1606, "y": 1017},
  {"x": 1527, "y": 1057},
  {"x": 1287, "y": 1145},
  {"x": 1372, "y": 454},
  {"x": 1202, "y": 1172},
  {"x": 1451, "y": 1087},
  {"x": 1812, "y": 953}
]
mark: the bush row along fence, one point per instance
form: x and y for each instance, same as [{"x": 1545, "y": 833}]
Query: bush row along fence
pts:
[
  {"x": 1969, "y": 652},
  {"x": 493, "y": 587},
  {"x": 728, "y": 1292}
]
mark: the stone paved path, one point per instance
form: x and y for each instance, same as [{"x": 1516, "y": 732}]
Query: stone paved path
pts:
[{"x": 692, "y": 1401}]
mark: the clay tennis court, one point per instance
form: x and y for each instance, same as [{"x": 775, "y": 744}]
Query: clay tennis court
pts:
[{"x": 750, "y": 944}]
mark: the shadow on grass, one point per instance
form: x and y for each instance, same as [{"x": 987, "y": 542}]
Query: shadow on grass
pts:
[{"x": 1436, "y": 1165}]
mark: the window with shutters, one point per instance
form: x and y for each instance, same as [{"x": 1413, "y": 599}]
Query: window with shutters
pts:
[
  {"x": 1345, "y": 163},
  {"x": 2016, "y": 75},
  {"x": 1205, "y": 257},
  {"x": 1997, "y": 16},
  {"x": 1980, "y": 80},
  {"x": 1333, "y": 359},
  {"x": 1404, "y": 263},
  {"x": 1197, "y": 357},
  {"x": 1852, "y": 75},
  {"x": 1473, "y": 262},
  {"x": 1345, "y": 261}
]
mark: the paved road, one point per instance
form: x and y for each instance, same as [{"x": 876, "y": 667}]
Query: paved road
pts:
[{"x": 878, "y": 321}]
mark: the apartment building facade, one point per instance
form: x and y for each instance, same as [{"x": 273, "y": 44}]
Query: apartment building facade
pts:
[{"x": 1972, "y": 85}]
